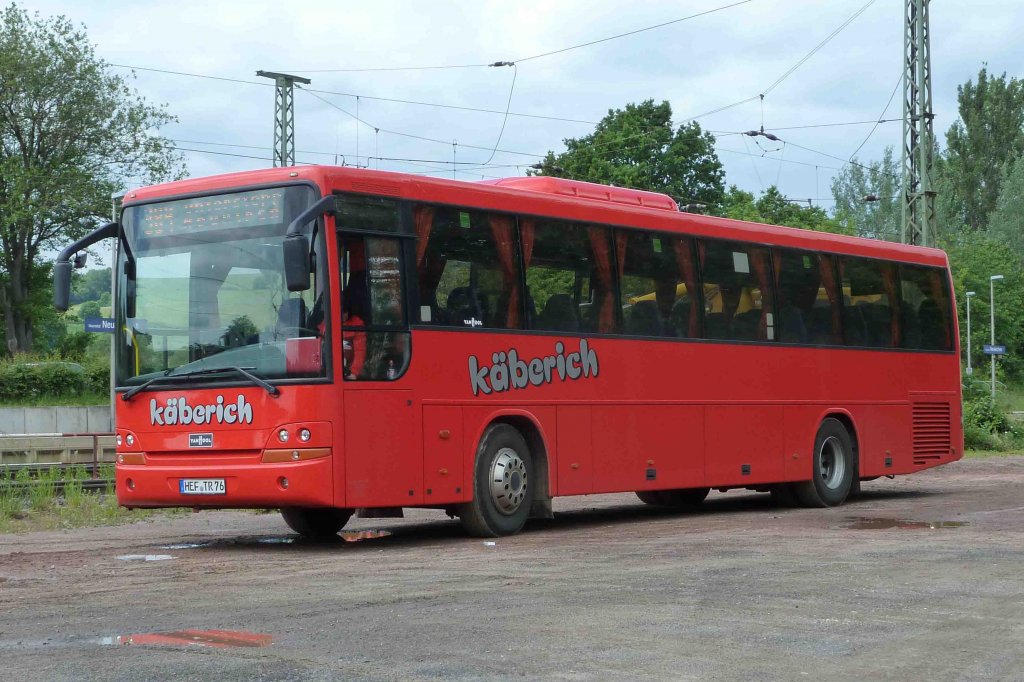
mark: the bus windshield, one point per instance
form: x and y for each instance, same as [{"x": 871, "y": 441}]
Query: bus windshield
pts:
[{"x": 201, "y": 285}]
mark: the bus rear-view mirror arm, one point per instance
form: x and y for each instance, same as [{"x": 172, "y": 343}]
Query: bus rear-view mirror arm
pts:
[
  {"x": 296, "y": 245},
  {"x": 62, "y": 268}
]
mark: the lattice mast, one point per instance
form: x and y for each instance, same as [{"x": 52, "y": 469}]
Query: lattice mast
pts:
[
  {"x": 284, "y": 115},
  {"x": 918, "y": 137}
]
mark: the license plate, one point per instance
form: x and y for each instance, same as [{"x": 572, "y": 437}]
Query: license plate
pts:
[{"x": 202, "y": 486}]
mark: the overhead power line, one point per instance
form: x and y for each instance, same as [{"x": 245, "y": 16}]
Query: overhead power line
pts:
[
  {"x": 630, "y": 33},
  {"x": 881, "y": 117},
  {"x": 817, "y": 47}
]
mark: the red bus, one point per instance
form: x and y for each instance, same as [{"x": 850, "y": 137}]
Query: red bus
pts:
[{"x": 324, "y": 340}]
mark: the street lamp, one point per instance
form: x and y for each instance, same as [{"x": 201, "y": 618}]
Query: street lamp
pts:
[
  {"x": 992, "y": 325},
  {"x": 969, "y": 295}
]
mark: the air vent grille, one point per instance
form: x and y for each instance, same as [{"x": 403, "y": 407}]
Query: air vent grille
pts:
[
  {"x": 376, "y": 188},
  {"x": 931, "y": 432}
]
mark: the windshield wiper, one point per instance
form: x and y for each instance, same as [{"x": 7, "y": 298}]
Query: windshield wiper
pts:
[{"x": 167, "y": 376}]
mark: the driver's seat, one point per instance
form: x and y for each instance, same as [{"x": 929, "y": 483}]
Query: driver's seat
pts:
[{"x": 291, "y": 318}]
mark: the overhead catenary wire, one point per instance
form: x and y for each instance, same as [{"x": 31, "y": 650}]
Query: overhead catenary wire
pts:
[{"x": 881, "y": 118}]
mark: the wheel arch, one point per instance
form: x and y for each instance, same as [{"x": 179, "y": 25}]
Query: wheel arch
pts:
[
  {"x": 848, "y": 422},
  {"x": 536, "y": 439}
]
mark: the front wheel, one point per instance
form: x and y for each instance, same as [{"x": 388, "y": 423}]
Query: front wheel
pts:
[
  {"x": 834, "y": 468},
  {"x": 316, "y": 522},
  {"x": 502, "y": 485}
]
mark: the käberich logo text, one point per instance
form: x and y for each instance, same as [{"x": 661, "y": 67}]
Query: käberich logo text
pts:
[
  {"x": 509, "y": 372},
  {"x": 178, "y": 411}
]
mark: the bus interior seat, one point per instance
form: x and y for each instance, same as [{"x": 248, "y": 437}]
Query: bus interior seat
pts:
[
  {"x": 716, "y": 326},
  {"x": 854, "y": 327},
  {"x": 291, "y": 316},
  {"x": 644, "y": 319},
  {"x": 878, "y": 320},
  {"x": 933, "y": 336},
  {"x": 791, "y": 325},
  {"x": 559, "y": 314},
  {"x": 911, "y": 326},
  {"x": 745, "y": 325},
  {"x": 680, "y": 317},
  {"x": 819, "y": 325},
  {"x": 464, "y": 303}
]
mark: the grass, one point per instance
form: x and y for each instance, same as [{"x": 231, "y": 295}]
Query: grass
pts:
[
  {"x": 1010, "y": 398},
  {"x": 30, "y": 504},
  {"x": 981, "y": 454}
]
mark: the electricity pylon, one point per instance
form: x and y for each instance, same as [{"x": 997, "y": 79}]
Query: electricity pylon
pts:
[
  {"x": 284, "y": 116},
  {"x": 918, "y": 136}
]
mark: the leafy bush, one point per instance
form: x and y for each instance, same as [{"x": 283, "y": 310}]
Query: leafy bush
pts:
[
  {"x": 981, "y": 413},
  {"x": 28, "y": 380}
]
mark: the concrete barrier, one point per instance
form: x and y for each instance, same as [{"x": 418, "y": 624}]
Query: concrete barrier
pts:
[{"x": 20, "y": 420}]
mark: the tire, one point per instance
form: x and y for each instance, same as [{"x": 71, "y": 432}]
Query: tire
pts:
[
  {"x": 682, "y": 498},
  {"x": 833, "y": 468},
  {"x": 503, "y": 483},
  {"x": 317, "y": 523}
]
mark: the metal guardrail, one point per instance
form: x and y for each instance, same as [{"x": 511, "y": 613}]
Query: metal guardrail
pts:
[{"x": 27, "y": 446}]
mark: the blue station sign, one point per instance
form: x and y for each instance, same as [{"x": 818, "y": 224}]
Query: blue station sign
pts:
[
  {"x": 103, "y": 325},
  {"x": 990, "y": 349}
]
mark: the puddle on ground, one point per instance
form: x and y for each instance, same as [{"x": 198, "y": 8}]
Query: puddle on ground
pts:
[
  {"x": 276, "y": 541},
  {"x": 873, "y": 523},
  {"x": 358, "y": 535},
  {"x": 186, "y": 545},
  {"x": 145, "y": 557},
  {"x": 216, "y": 639}
]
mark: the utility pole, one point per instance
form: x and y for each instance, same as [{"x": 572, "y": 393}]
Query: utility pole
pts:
[
  {"x": 918, "y": 137},
  {"x": 284, "y": 116}
]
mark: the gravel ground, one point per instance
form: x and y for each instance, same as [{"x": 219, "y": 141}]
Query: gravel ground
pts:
[{"x": 920, "y": 578}]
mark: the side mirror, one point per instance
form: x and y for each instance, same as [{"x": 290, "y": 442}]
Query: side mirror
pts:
[
  {"x": 81, "y": 259},
  {"x": 129, "y": 293},
  {"x": 61, "y": 285},
  {"x": 296, "y": 262}
]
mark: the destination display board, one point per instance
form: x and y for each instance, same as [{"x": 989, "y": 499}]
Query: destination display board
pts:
[{"x": 205, "y": 214}]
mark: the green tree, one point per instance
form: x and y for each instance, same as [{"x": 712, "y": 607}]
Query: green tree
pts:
[
  {"x": 89, "y": 285},
  {"x": 638, "y": 147},
  {"x": 988, "y": 136},
  {"x": 70, "y": 133},
  {"x": 89, "y": 309},
  {"x": 973, "y": 257},
  {"x": 878, "y": 219},
  {"x": 1007, "y": 222},
  {"x": 775, "y": 209}
]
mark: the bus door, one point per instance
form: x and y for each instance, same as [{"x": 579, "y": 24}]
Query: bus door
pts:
[{"x": 382, "y": 458}]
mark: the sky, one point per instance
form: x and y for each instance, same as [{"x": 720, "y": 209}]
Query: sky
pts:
[{"x": 698, "y": 65}]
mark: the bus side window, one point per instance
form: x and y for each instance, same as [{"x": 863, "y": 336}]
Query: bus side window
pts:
[
  {"x": 925, "y": 308},
  {"x": 570, "y": 280},
  {"x": 658, "y": 281},
  {"x": 737, "y": 291},
  {"x": 468, "y": 268},
  {"x": 871, "y": 302}
]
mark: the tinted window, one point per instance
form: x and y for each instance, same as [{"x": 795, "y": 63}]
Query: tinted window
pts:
[
  {"x": 468, "y": 267},
  {"x": 925, "y": 308},
  {"x": 658, "y": 281},
  {"x": 737, "y": 285},
  {"x": 806, "y": 297},
  {"x": 570, "y": 282},
  {"x": 870, "y": 302},
  {"x": 375, "y": 346}
]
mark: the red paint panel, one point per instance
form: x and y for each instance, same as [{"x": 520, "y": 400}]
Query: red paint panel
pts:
[
  {"x": 574, "y": 453},
  {"x": 743, "y": 434},
  {"x": 800, "y": 426},
  {"x": 883, "y": 431},
  {"x": 630, "y": 439},
  {"x": 383, "y": 451},
  {"x": 442, "y": 455}
]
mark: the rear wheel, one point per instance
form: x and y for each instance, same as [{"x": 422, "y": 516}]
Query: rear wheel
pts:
[
  {"x": 834, "y": 468},
  {"x": 316, "y": 522},
  {"x": 503, "y": 483},
  {"x": 679, "y": 499}
]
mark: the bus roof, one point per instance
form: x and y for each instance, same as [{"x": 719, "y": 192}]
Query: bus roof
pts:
[{"x": 548, "y": 197}]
